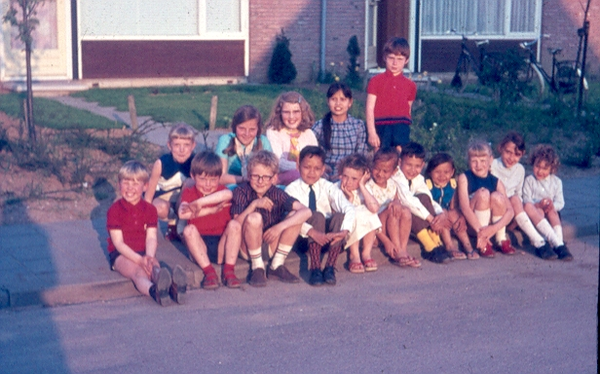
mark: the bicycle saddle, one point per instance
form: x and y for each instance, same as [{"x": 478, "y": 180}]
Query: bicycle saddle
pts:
[{"x": 554, "y": 51}]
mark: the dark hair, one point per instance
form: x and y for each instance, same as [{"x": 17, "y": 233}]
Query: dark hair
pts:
[
  {"x": 326, "y": 121},
  {"x": 275, "y": 121},
  {"x": 356, "y": 161},
  {"x": 544, "y": 152},
  {"x": 412, "y": 149},
  {"x": 241, "y": 115},
  {"x": 437, "y": 160},
  {"x": 515, "y": 138},
  {"x": 206, "y": 162},
  {"x": 385, "y": 154},
  {"x": 396, "y": 46},
  {"x": 311, "y": 151}
]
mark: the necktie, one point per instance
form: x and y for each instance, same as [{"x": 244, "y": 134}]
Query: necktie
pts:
[{"x": 312, "y": 199}]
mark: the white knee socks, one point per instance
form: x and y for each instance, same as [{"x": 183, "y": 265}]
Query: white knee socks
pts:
[
  {"x": 547, "y": 232},
  {"x": 526, "y": 225}
]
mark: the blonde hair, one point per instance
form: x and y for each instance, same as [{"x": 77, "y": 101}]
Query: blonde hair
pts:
[
  {"x": 182, "y": 131},
  {"x": 308, "y": 117},
  {"x": 134, "y": 170},
  {"x": 479, "y": 148},
  {"x": 264, "y": 158}
]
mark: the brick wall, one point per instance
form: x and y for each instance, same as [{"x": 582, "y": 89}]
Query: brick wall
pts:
[
  {"x": 301, "y": 21},
  {"x": 561, "y": 19}
]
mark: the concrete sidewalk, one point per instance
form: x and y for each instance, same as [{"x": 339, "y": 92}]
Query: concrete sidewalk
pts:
[{"x": 65, "y": 262}]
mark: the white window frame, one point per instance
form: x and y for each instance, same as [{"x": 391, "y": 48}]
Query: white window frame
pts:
[
  {"x": 507, "y": 33},
  {"x": 202, "y": 33}
]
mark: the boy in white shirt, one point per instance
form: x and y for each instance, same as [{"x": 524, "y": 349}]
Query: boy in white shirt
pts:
[{"x": 333, "y": 215}]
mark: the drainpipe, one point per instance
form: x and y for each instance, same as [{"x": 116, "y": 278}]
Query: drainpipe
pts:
[{"x": 323, "y": 34}]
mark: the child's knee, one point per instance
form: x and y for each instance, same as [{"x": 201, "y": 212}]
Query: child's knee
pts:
[
  {"x": 482, "y": 194},
  {"x": 190, "y": 231},
  {"x": 234, "y": 227},
  {"x": 405, "y": 215},
  {"x": 254, "y": 221},
  {"x": 498, "y": 200}
]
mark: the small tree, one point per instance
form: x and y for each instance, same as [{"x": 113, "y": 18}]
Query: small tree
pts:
[
  {"x": 353, "y": 77},
  {"x": 26, "y": 25},
  {"x": 281, "y": 68}
]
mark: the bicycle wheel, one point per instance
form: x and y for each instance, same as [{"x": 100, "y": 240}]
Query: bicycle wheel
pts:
[
  {"x": 532, "y": 84},
  {"x": 463, "y": 76}
]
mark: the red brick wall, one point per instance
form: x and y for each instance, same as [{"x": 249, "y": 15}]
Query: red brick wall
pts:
[
  {"x": 301, "y": 21},
  {"x": 561, "y": 19}
]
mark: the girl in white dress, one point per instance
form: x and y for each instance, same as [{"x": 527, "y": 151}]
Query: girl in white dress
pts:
[{"x": 354, "y": 174}]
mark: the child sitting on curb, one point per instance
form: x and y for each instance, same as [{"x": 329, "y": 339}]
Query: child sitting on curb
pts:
[
  {"x": 132, "y": 227},
  {"x": 206, "y": 207}
]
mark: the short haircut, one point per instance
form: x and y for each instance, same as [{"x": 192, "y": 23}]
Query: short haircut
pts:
[
  {"x": 386, "y": 154},
  {"x": 292, "y": 97},
  {"x": 515, "y": 138},
  {"x": 412, "y": 149},
  {"x": 545, "y": 152},
  {"x": 206, "y": 162},
  {"x": 264, "y": 158},
  {"x": 437, "y": 160},
  {"x": 134, "y": 170},
  {"x": 356, "y": 161},
  {"x": 182, "y": 131},
  {"x": 479, "y": 148},
  {"x": 312, "y": 151},
  {"x": 396, "y": 46}
]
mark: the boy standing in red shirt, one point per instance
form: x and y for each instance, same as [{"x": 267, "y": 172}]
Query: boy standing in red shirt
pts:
[{"x": 389, "y": 99}]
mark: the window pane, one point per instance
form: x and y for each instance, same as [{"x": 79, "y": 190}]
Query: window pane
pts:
[
  {"x": 139, "y": 17},
  {"x": 223, "y": 16},
  {"x": 484, "y": 17},
  {"x": 521, "y": 17}
]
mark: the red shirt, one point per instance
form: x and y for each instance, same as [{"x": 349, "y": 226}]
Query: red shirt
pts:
[
  {"x": 132, "y": 220},
  {"x": 212, "y": 224},
  {"x": 393, "y": 95}
]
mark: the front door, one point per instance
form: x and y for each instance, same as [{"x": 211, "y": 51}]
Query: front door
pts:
[{"x": 51, "y": 57}]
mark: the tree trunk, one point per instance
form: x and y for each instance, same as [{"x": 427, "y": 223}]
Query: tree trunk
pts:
[{"x": 29, "y": 116}]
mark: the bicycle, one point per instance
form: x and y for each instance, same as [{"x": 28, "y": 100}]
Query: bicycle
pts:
[
  {"x": 563, "y": 79},
  {"x": 488, "y": 70}
]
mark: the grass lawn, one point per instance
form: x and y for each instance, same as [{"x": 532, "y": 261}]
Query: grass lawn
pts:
[
  {"x": 51, "y": 114},
  {"x": 192, "y": 104}
]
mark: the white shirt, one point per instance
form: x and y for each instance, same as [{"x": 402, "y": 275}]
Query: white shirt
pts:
[
  {"x": 535, "y": 190},
  {"x": 329, "y": 198},
  {"x": 512, "y": 178},
  {"x": 407, "y": 194},
  {"x": 384, "y": 196}
]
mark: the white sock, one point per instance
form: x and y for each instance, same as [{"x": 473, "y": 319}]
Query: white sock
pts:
[
  {"x": 500, "y": 234},
  {"x": 526, "y": 225},
  {"x": 256, "y": 258},
  {"x": 547, "y": 232},
  {"x": 483, "y": 216},
  {"x": 559, "y": 233},
  {"x": 280, "y": 255}
]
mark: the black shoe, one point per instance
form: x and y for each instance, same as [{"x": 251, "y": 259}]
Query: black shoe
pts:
[
  {"x": 316, "y": 277},
  {"x": 329, "y": 275},
  {"x": 546, "y": 253},
  {"x": 160, "y": 289},
  {"x": 283, "y": 274},
  {"x": 438, "y": 255},
  {"x": 179, "y": 285},
  {"x": 258, "y": 278},
  {"x": 563, "y": 253}
]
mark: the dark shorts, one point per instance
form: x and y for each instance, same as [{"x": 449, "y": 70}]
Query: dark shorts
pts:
[
  {"x": 393, "y": 135},
  {"x": 112, "y": 257}
]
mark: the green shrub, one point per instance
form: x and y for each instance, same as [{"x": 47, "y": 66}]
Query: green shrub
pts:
[{"x": 281, "y": 68}]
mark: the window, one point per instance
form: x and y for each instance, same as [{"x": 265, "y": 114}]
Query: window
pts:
[
  {"x": 140, "y": 19},
  {"x": 484, "y": 17}
]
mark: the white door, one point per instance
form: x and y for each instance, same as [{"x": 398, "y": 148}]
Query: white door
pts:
[{"x": 51, "y": 57}]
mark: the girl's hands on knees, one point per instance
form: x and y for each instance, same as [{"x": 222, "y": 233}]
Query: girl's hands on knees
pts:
[{"x": 396, "y": 209}]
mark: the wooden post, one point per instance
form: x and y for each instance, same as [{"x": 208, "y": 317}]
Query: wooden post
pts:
[
  {"x": 213, "y": 113},
  {"x": 132, "y": 112}
]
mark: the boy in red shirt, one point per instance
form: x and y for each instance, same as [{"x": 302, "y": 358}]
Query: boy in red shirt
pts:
[
  {"x": 132, "y": 227},
  {"x": 206, "y": 207},
  {"x": 389, "y": 99}
]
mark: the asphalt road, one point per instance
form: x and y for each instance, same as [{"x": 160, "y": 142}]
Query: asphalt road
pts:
[{"x": 505, "y": 315}]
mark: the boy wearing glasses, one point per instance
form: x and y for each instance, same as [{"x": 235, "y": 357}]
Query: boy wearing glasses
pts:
[
  {"x": 206, "y": 207},
  {"x": 267, "y": 214}
]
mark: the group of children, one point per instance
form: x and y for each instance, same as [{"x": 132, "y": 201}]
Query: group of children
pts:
[{"x": 315, "y": 186}]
